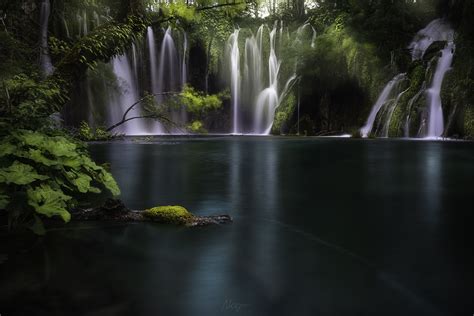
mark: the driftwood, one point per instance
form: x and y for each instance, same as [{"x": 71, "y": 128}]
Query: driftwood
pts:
[{"x": 115, "y": 210}]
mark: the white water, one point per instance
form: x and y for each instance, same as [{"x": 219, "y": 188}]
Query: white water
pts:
[
  {"x": 437, "y": 30},
  {"x": 381, "y": 100},
  {"x": 436, "y": 121},
  {"x": 233, "y": 48},
  {"x": 254, "y": 96},
  {"x": 166, "y": 70},
  {"x": 45, "y": 59},
  {"x": 152, "y": 56},
  {"x": 127, "y": 95}
]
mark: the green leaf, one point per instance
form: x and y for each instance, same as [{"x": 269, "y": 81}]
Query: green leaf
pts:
[
  {"x": 7, "y": 149},
  {"x": 80, "y": 180},
  {"x": 37, "y": 156},
  {"x": 20, "y": 173},
  {"x": 109, "y": 182},
  {"x": 48, "y": 201}
]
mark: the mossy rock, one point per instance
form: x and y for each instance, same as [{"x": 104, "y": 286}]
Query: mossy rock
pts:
[{"x": 169, "y": 214}]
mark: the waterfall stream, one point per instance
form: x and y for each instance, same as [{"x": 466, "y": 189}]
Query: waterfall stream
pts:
[
  {"x": 432, "y": 126},
  {"x": 128, "y": 79},
  {"x": 45, "y": 59},
  {"x": 254, "y": 95}
]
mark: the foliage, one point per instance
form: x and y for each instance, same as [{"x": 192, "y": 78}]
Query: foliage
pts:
[
  {"x": 197, "y": 102},
  {"x": 283, "y": 115},
  {"x": 197, "y": 127},
  {"x": 87, "y": 133},
  {"x": 169, "y": 214},
  {"x": 44, "y": 175},
  {"x": 27, "y": 101}
]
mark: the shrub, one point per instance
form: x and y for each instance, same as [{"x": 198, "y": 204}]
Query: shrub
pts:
[{"x": 44, "y": 175}]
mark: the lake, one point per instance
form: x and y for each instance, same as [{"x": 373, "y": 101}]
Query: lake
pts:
[{"x": 322, "y": 226}]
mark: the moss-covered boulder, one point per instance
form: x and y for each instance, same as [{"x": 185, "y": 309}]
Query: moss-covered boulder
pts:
[{"x": 169, "y": 214}]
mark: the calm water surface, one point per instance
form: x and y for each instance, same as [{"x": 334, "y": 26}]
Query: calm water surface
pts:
[{"x": 321, "y": 227}]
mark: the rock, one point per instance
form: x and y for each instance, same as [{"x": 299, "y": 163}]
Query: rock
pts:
[
  {"x": 170, "y": 214},
  {"x": 115, "y": 210},
  {"x": 111, "y": 210},
  {"x": 209, "y": 220}
]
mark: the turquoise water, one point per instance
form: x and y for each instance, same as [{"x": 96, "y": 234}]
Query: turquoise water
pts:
[{"x": 322, "y": 226}]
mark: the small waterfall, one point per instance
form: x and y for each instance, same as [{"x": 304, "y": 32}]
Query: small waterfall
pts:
[
  {"x": 255, "y": 97},
  {"x": 126, "y": 78},
  {"x": 168, "y": 66},
  {"x": 127, "y": 95},
  {"x": 381, "y": 101},
  {"x": 267, "y": 100},
  {"x": 184, "y": 67},
  {"x": 45, "y": 59},
  {"x": 437, "y": 30},
  {"x": 233, "y": 48},
  {"x": 435, "y": 121},
  {"x": 153, "y": 63}
]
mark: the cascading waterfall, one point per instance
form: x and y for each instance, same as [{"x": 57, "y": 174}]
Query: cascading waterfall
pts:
[
  {"x": 233, "y": 51},
  {"x": 153, "y": 63},
  {"x": 127, "y": 95},
  {"x": 436, "y": 121},
  {"x": 437, "y": 30},
  {"x": 381, "y": 101},
  {"x": 166, "y": 71},
  {"x": 45, "y": 59},
  {"x": 254, "y": 96}
]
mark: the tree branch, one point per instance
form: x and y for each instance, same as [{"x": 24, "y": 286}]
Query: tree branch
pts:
[{"x": 159, "y": 117}]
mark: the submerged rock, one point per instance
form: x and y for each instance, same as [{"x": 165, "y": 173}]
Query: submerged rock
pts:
[{"x": 115, "y": 210}]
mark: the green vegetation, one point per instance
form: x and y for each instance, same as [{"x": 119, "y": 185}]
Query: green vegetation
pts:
[
  {"x": 359, "y": 46},
  {"x": 44, "y": 175},
  {"x": 169, "y": 214}
]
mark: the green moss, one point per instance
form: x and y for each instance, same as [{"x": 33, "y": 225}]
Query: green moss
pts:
[
  {"x": 469, "y": 123},
  {"x": 169, "y": 214}
]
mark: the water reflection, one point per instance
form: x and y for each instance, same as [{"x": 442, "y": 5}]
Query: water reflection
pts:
[{"x": 332, "y": 227}]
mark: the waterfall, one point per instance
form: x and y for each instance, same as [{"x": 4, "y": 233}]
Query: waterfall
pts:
[
  {"x": 435, "y": 121},
  {"x": 184, "y": 66},
  {"x": 437, "y": 30},
  {"x": 152, "y": 55},
  {"x": 126, "y": 79},
  {"x": 381, "y": 100},
  {"x": 127, "y": 95},
  {"x": 168, "y": 66},
  {"x": 233, "y": 48},
  {"x": 254, "y": 96},
  {"x": 267, "y": 100},
  {"x": 45, "y": 59}
]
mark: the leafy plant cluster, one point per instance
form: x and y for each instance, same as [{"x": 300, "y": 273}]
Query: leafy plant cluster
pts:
[
  {"x": 43, "y": 175},
  {"x": 26, "y": 101},
  {"x": 87, "y": 133}
]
